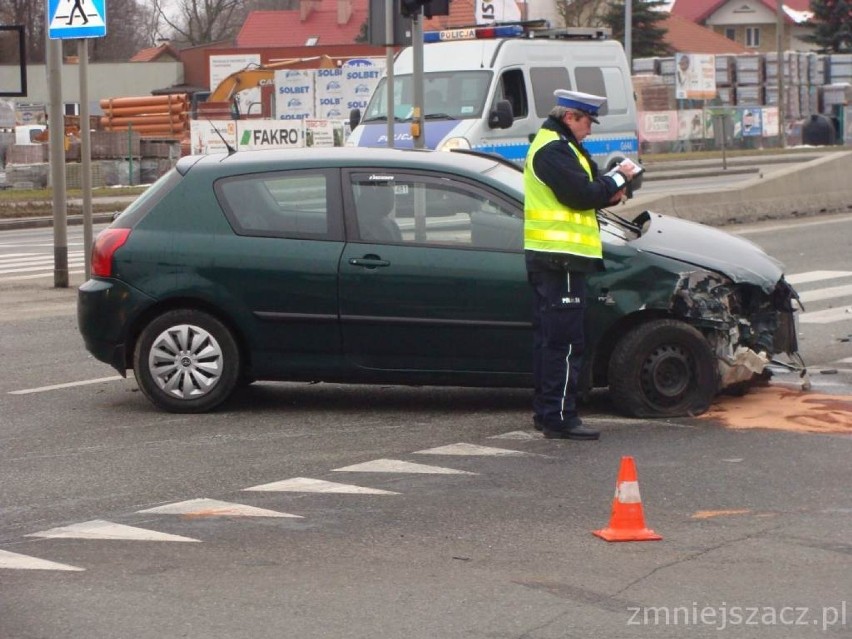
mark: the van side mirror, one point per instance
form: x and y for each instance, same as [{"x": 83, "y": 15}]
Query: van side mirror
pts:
[
  {"x": 501, "y": 116},
  {"x": 354, "y": 118}
]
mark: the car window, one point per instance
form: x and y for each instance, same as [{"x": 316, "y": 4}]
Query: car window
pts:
[
  {"x": 291, "y": 204},
  {"x": 404, "y": 209},
  {"x": 546, "y": 80},
  {"x": 593, "y": 80},
  {"x": 513, "y": 88}
]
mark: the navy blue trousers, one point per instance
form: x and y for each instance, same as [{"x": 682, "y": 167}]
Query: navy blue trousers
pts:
[{"x": 559, "y": 304}]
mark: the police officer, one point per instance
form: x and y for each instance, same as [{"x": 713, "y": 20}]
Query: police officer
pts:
[{"x": 563, "y": 189}]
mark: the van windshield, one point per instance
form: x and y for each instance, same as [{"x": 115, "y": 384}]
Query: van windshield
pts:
[{"x": 447, "y": 95}]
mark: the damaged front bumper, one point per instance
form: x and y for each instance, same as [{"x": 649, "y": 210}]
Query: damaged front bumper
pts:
[{"x": 746, "y": 325}]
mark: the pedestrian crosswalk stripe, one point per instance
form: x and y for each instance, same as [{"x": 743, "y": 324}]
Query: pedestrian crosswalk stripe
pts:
[
  {"x": 17, "y": 278},
  {"x": 308, "y": 485},
  {"x": 827, "y": 316},
  {"x": 826, "y": 293},
  {"x": 398, "y": 466},
  {"x": 816, "y": 276},
  {"x": 14, "y": 561},
  {"x": 469, "y": 449},
  {"x": 100, "y": 529},
  {"x": 517, "y": 434},
  {"x": 214, "y": 508}
]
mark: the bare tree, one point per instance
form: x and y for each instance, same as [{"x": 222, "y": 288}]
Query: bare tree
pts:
[
  {"x": 200, "y": 21},
  {"x": 29, "y": 13},
  {"x": 129, "y": 29},
  {"x": 582, "y": 13}
]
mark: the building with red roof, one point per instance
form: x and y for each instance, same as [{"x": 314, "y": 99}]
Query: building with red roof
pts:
[{"x": 751, "y": 23}]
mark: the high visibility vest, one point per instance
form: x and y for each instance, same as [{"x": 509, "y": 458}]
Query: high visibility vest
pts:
[{"x": 549, "y": 225}]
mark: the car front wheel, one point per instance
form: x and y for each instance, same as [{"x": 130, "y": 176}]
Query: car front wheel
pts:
[
  {"x": 663, "y": 368},
  {"x": 186, "y": 361}
]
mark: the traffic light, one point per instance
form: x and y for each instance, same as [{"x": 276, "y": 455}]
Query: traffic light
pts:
[
  {"x": 436, "y": 8},
  {"x": 410, "y": 8},
  {"x": 431, "y": 8}
]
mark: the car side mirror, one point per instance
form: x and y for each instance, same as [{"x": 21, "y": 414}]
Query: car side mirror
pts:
[
  {"x": 501, "y": 116},
  {"x": 354, "y": 118}
]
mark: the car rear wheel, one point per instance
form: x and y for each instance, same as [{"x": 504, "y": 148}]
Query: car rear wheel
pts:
[
  {"x": 186, "y": 361},
  {"x": 663, "y": 368}
]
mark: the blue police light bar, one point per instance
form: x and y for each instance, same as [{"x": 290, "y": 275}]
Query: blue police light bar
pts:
[{"x": 474, "y": 33}]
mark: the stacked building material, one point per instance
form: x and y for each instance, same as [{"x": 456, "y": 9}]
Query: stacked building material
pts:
[
  {"x": 652, "y": 94},
  {"x": 158, "y": 116}
]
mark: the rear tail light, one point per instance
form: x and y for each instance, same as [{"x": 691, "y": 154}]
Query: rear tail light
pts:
[{"x": 107, "y": 243}]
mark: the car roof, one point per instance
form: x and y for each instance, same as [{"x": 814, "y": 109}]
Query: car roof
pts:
[
  {"x": 348, "y": 157},
  {"x": 274, "y": 159}
]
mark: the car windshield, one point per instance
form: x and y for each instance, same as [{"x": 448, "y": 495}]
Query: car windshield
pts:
[{"x": 451, "y": 96}]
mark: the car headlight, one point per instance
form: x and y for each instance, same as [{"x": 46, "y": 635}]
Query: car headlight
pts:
[{"x": 454, "y": 143}]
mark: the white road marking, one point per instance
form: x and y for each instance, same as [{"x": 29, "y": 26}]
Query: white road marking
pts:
[
  {"x": 214, "y": 508},
  {"x": 16, "y": 255},
  {"x": 308, "y": 485},
  {"x": 816, "y": 276},
  {"x": 36, "y": 276},
  {"x": 14, "y": 561},
  {"x": 100, "y": 529},
  {"x": 5, "y": 260},
  {"x": 521, "y": 435},
  {"x": 45, "y": 266},
  {"x": 469, "y": 449},
  {"x": 398, "y": 466},
  {"x": 827, "y": 316},
  {"x": 826, "y": 293},
  {"x": 44, "y": 389},
  {"x": 792, "y": 225}
]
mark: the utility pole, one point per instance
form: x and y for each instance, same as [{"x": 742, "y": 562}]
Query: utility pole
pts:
[
  {"x": 779, "y": 47},
  {"x": 628, "y": 33},
  {"x": 417, "y": 120},
  {"x": 389, "y": 37}
]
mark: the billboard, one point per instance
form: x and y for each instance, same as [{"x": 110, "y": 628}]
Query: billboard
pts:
[{"x": 695, "y": 76}]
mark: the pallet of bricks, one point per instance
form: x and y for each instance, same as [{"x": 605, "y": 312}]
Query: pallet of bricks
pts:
[
  {"x": 798, "y": 79},
  {"x": 837, "y": 92},
  {"x": 139, "y": 132},
  {"x": 750, "y": 73},
  {"x": 726, "y": 75}
]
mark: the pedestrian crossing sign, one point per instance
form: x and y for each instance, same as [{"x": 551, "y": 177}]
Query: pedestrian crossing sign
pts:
[{"x": 70, "y": 19}]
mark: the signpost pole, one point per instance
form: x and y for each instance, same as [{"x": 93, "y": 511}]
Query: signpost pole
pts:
[
  {"x": 85, "y": 152},
  {"x": 56, "y": 127}
]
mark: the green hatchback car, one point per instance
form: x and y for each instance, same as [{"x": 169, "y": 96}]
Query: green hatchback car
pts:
[{"x": 406, "y": 267}]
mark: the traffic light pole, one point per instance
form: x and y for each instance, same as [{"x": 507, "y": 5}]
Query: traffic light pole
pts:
[
  {"x": 389, "y": 70},
  {"x": 417, "y": 122}
]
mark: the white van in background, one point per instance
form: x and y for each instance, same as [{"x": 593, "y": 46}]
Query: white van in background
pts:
[{"x": 490, "y": 88}]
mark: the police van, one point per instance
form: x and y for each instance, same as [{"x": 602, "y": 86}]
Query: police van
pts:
[{"x": 490, "y": 88}]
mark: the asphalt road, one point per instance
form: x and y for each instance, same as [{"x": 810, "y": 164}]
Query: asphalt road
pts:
[{"x": 485, "y": 543}]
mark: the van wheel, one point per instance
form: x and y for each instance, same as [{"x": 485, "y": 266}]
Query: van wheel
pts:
[
  {"x": 663, "y": 368},
  {"x": 186, "y": 361}
]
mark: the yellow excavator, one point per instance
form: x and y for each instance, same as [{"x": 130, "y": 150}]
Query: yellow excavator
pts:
[{"x": 257, "y": 76}]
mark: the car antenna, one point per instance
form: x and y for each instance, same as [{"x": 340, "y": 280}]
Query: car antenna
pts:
[{"x": 231, "y": 150}]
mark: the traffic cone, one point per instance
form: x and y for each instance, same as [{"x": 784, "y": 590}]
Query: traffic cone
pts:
[{"x": 627, "y": 522}]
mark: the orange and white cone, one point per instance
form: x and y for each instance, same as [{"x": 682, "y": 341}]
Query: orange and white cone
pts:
[{"x": 627, "y": 522}]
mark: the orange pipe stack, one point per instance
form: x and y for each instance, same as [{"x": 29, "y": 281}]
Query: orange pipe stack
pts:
[{"x": 154, "y": 116}]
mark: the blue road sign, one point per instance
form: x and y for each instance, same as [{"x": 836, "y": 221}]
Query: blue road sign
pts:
[{"x": 71, "y": 19}]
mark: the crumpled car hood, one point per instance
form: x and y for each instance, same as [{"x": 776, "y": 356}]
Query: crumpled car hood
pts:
[{"x": 709, "y": 248}]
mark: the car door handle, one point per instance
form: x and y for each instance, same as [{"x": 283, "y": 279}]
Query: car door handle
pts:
[{"x": 369, "y": 261}]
